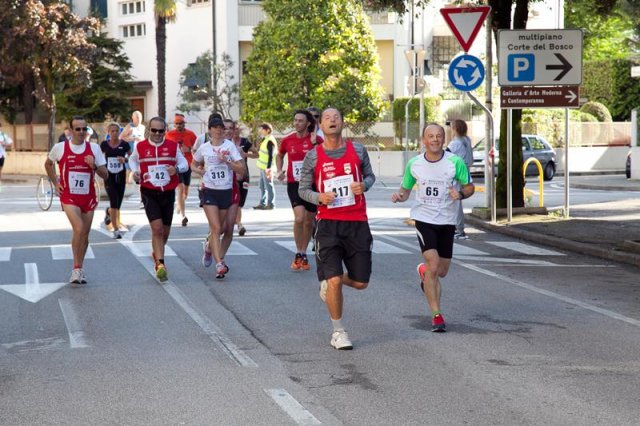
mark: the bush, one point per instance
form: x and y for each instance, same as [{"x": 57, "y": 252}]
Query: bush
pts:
[
  {"x": 598, "y": 110},
  {"x": 431, "y": 114},
  {"x": 549, "y": 123},
  {"x": 610, "y": 83}
]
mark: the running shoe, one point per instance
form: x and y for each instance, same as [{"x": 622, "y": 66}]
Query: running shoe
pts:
[
  {"x": 76, "y": 276},
  {"x": 340, "y": 340},
  {"x": 207, "y": 260},
  {"x": 304, "y": 264},
  {"x": 259, "y": 207},
  {"x": 422, "y": 268},
  {"x": 437, "y": 324},
  {"x": 242, "y": 231},
  {"x": 161, "y": 272},
  {"x": 460, "y": 236},
  {"x": 297, "y": 262},
  {"x": 269, "y": 207},
  {"x": 117, "y": 235},
  {"x": 185, "y": 221},
  {"x": 323, "y": 290},
  {"x": 83, "y": 278},
  {"x": 107, "y": 217},
  {"x": 221, "y": 270}
]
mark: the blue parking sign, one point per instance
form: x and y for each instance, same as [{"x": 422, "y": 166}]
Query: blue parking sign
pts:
[{"x": 521, "y": 67}]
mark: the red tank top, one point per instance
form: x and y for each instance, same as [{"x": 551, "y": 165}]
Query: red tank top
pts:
[
  {"x": 76, "y": 176},
  {"x": 154, "y": 163},
  {"x": 337, "y": 175}
]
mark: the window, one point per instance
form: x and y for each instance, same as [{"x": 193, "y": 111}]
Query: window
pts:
[
  {"x": 135, "y": 30},
  {"x": 132, "y": 7},
  {"x": 194, "y": 2},
  {"x": 445, "y": 49}
]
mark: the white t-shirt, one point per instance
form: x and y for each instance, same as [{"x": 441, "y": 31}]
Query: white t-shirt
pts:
[
  {"x": 58, "y": 150},
  {"x": 217, "y": 172},
  {"x": 5, "y": 140}
]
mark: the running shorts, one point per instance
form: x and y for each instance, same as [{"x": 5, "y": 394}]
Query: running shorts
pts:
[
  {"x": 158, "y": 204},
  {"x": 294, "y": 198},
  {"x": 348, "y": 242},
  {"x": 217, "y": 197},
  {"x": 436, "y": 237}
]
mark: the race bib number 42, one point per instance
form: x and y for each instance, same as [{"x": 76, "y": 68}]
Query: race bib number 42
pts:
[
  {"x": 341, "y": 187},
  {"x": 159, "y": 175}
]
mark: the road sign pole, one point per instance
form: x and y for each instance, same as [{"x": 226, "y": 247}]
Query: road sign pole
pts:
[
  {"x": 566, "y": 163},
  {"x": 509, "y": 165}
]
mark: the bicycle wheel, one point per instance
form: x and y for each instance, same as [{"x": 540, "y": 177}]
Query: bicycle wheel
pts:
[{"x": 44, "y": 193}]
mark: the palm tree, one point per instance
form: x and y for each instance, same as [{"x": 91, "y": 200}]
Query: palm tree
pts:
[{"x": 165, "y": 11}]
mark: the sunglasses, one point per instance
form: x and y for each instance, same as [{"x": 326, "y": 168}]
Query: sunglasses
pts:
[
  {"x": 81, "y": 129},
  {"x": 159, "y": 131}
]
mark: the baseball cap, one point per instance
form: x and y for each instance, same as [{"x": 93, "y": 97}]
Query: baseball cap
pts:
[{"x": 215, "y": 122}]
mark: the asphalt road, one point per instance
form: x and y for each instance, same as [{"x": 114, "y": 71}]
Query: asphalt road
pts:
[{"x": 536, "y": 336}]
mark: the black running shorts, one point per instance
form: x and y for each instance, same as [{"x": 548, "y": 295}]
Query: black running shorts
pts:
[
  {"x": 436, "y": 237},
  {"x": 158, "y": 204},
  {"x": 339, "y": 242},
  {"x": 185, "y": 178},
  {"x": 294, "y": 197},
  {"x": 217, "y": 197}
]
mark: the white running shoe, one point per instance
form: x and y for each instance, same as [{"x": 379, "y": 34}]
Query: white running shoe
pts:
[
  {"x": 83, "y": 277},
  {"x": 77, "y": 277},
  {"x": 323, "y": 290},
  {"x": 117, "y": 235},
  {"x": 340, "y": 340}
]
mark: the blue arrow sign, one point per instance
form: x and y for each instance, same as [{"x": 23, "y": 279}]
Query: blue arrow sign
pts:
[{"x": 466, "y": 73}]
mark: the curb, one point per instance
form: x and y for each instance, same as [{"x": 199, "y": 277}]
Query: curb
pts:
[
  {"x": 603, "y": 187},
  {"x": 556, "y": 242}
]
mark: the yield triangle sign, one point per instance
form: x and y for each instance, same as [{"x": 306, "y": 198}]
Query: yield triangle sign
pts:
[{"x": 465, "y": 22}]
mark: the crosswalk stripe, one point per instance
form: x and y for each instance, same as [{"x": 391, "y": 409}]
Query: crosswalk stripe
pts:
[
  {"x": 63, "y": 252},
  {"x": 380, "y": 247},
  {"x": 289, "y": 245},
  {"x": 143, "y": 249},
  {"x": 525, "y": 248},
  {"x": 462, "y": 250},
  {"x": 237, "y": 249},
  {"x": 5, "y": 254}
]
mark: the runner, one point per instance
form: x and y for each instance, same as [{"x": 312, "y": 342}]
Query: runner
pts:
[
  {"x": 295, "y": 146},
  {"x": 155, "y": 164},
  {"x": 185, "y": 139},
  {"x": 216, "y": 161},
  {"x": 247, "y": 150},
  {"x": 115, "y": 151},
  {"x": 78, "y": 162},
  {"x": 443, "y": 181},
  {"x": 342, "y": 171}
]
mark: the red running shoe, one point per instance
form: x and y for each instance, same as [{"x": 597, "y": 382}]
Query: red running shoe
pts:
[{"x": 437, "y": 324}]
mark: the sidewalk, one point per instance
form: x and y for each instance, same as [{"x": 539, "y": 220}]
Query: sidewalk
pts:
[{"x": 608, "y": 230}]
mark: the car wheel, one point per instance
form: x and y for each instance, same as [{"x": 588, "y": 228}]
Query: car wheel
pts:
[{"x": 549, "y": 171}]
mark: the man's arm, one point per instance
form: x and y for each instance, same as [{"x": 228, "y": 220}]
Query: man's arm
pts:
[
  {"x": 368, "y": 178},
  {"x": 306, "y": 178}
]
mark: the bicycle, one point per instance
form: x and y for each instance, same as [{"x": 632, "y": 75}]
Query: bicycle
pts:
[{"x": 45, "y": 192}]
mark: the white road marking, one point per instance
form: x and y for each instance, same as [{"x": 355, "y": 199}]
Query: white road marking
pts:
[
  {"x": 587, "y": 306},
  {"x": 77, "y": 337},
  {"x": 504, "y": 260},
  {"x": 293, "y": 408},
  {"x": 380, "y": 247},
  {"x": 525, "y": 248},
  {"x": 5, "y": 254},
  {"x": 63, "y": 252},
  {"x": 32, "y": 290},
  {"x": 289, "y": 245},
  {"x": 210, "y": 329},
  {"x": 238, "y": 249},
  {"x": 459, "y": 249},
  {"x": 47, "y": 343}
]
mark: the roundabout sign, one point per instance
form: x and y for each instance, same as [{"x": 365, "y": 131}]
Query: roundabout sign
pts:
[{"x": 466, "y": 73}]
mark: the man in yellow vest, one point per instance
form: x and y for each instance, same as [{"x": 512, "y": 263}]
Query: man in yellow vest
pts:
[{"x": 266, "y": 156}]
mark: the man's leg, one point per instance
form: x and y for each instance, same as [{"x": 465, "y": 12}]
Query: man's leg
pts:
[
  {"x": 180, "y": 193},
  {"x": 271, "y": 192},
  {"x": 298, "y": 228},
  {"x": 307, "y": 229},
  {"x": 159, "y": 237},
  {"x": 80, "y": 225},
  {"x": 263, "y": 188}
]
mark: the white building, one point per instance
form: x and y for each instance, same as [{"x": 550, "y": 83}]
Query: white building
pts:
[{"x": 192, "y": 34}]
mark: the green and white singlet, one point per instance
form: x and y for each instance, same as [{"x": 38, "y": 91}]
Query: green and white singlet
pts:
[{"x": 432, "y": 180}]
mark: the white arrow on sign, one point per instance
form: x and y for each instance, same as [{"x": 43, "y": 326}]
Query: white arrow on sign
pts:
[
  {"x": 32, "y": 290},
  {"x": 571, "y": 96}
]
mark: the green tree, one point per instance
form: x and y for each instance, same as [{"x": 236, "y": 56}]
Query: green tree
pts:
[
  {"x": 110, "y": 84},
  {"x": 305, "y": 53},
  {"x": 43, "y": 45},
  {"x": 165, "y": 12},
  {"x": 195, "y": 85}
]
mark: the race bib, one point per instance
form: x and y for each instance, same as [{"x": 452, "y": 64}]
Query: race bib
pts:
[
  {"x": 341, "y": 187},
  {"x": 79, "y": 183},
  {"x": 218, "y": 176},
  {"x": 296, "y": 168},
  {"x": 431, "y": 192},
  {"x": 159, "y": 175},
  {"x": 113, "y": 165}
]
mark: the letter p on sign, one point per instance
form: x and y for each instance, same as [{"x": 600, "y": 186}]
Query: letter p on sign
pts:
[{"x": 521, "y": 67}]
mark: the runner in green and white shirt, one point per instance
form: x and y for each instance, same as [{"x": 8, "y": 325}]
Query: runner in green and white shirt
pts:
[{"x": 441, "y": 180}]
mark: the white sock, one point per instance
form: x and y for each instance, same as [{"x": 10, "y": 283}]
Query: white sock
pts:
[{"x": 337, "y": 325}]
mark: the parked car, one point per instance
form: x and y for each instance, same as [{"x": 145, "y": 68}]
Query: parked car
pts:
[
  {"x": 532, "y": 146},
  {"x": 627, "y": 167}
]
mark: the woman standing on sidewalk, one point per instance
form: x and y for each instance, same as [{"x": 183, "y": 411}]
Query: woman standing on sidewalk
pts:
[{"x": 460, "y": 145}]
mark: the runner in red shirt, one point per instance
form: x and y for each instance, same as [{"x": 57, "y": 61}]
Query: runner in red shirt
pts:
[
  {"x": 295, "y": 146},
  {"x": 185, "y": 139},
  {"x": 78, "y": 161}
]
